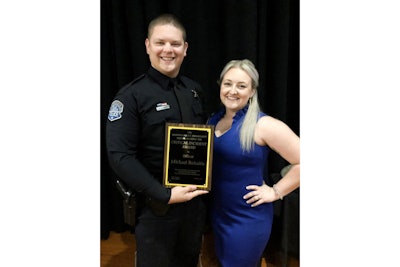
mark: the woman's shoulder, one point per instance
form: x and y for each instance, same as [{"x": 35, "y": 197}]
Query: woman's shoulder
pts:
[{"x": 267, "y": 121}]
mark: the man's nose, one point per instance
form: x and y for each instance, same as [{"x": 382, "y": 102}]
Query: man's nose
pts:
[{"x": 168, "y": 47}]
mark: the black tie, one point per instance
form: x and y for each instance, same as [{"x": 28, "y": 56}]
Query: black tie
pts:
[{"x": 183, "y": 103}]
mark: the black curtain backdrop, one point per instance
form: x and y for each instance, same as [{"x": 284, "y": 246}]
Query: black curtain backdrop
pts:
[{"x": 264, "y": 31}]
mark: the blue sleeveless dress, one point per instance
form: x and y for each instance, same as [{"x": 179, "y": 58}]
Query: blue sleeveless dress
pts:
[{"x": 240, "y": 232}]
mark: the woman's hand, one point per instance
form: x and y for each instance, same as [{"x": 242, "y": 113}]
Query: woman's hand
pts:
[{"x": 259, "y": 195}]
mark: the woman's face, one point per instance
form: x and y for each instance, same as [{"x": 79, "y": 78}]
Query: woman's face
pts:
[{"x": 236, "y": 89}]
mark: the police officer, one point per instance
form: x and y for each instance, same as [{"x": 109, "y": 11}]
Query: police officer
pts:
[{"x": 170, "y": 222}]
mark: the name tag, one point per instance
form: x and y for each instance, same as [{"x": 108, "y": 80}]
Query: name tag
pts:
[{"x": 162, "y": 106}]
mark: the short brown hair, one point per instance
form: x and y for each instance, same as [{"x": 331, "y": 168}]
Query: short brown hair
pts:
[{"x": 166, "y": 19}]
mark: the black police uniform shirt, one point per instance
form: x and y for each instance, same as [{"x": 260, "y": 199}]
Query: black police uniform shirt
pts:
[{"x": 135, "y": 128}]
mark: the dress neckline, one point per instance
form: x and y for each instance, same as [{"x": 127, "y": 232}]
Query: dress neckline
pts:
[{"x": 239, "y": 114}]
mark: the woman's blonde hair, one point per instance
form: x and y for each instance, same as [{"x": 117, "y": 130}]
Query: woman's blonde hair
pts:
[{"x": 248, "y": 127}]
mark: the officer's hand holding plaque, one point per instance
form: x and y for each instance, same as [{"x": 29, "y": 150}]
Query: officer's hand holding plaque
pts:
[{"x": 188, "y": 155}]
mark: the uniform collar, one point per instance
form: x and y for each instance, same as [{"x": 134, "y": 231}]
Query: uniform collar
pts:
[{"x": 161, "y": 79}]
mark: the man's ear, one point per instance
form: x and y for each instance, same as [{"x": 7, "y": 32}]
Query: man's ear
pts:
[
  {"x": 146, "y": 43},
  {"x": 186, "y": 47}
]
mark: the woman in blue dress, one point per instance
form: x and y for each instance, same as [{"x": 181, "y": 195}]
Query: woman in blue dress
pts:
[{"x": 241, "y": 202}]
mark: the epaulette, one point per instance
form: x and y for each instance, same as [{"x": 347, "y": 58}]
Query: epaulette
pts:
[
  {"x": 126, "y": 86},
  {"x": 137, "y": 79}
]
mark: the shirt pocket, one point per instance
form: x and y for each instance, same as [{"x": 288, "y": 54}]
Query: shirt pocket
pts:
[{"x": 198, "y": 111}]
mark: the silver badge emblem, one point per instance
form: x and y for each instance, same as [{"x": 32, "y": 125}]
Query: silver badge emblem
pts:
[{"x": 115, "y": 111}]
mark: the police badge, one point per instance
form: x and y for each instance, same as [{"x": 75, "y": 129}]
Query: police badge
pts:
[{"x": 115, "y": 111}]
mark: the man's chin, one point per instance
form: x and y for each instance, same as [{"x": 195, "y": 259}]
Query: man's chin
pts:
[{"x": 169, "y": 71}]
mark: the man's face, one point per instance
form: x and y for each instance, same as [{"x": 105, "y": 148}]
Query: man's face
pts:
[{"x": 166, "y": 49}]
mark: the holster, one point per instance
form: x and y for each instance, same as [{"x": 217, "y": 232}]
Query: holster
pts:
[
  {"x": 130, "y": 210},
  {"x": 128, "y": 202}
]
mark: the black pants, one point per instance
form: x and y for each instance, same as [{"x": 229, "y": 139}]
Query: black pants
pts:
[{"x": 172, "y": 240}]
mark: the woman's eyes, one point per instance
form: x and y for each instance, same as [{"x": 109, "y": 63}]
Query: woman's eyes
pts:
[{"x": 240, "y": 86}]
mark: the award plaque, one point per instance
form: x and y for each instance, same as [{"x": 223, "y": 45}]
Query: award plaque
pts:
[{"x": 188, "y": 155}]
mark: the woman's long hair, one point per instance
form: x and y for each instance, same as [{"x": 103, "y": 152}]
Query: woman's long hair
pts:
[{"x": 248, "y": 127}]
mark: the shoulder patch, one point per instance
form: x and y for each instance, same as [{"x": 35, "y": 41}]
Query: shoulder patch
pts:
[{"x": 115, "y": 111}]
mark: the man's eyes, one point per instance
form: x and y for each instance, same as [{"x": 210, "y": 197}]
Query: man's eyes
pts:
[{"x": 163, "y": 43}]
